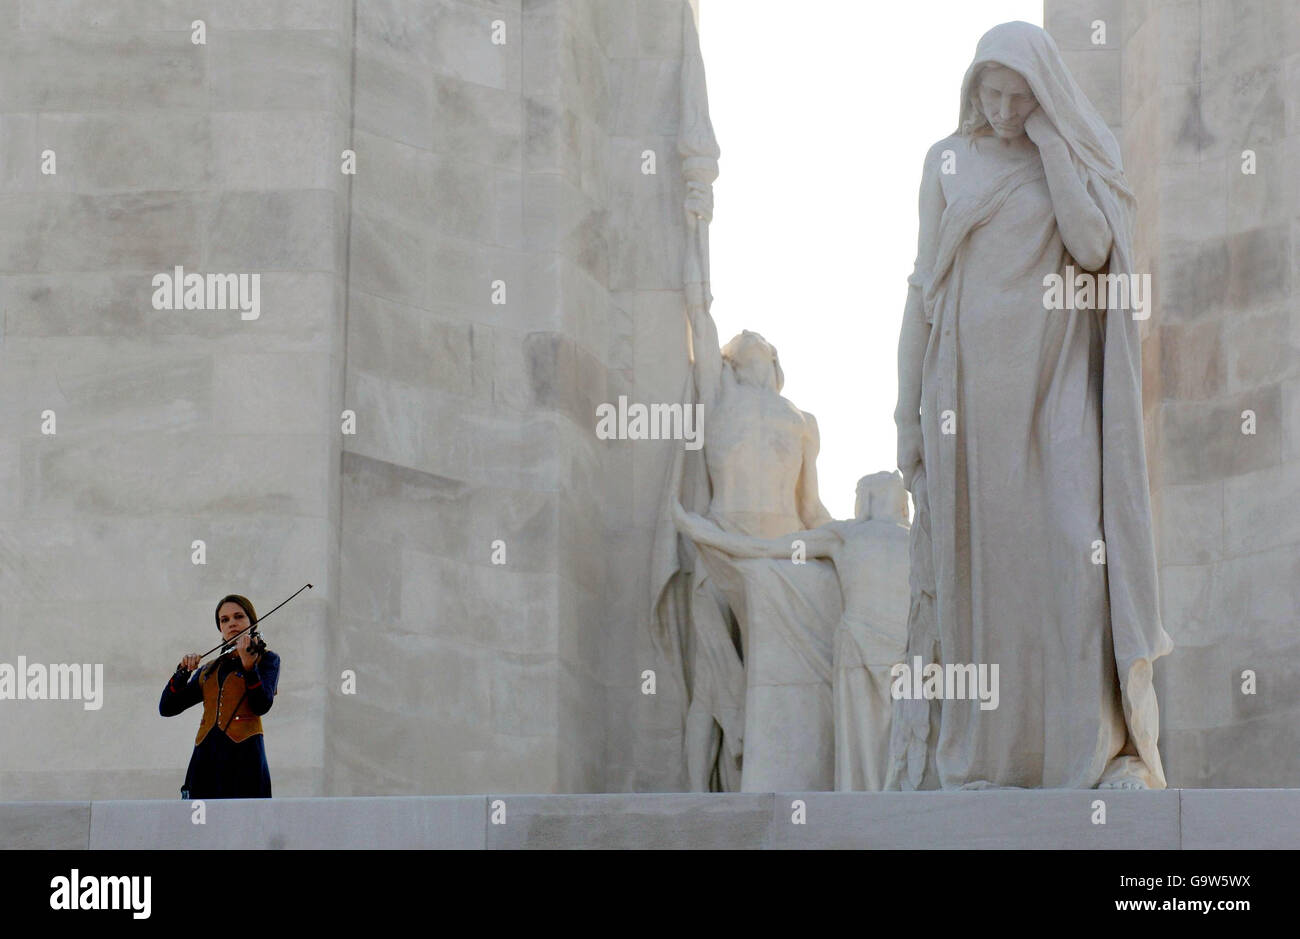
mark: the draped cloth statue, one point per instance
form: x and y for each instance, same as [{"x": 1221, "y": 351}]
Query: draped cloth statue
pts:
[
  {"x": 824, "y": 639},
  {"x": 760, "y": 480},
  {"x": 1021, "y": 439}
]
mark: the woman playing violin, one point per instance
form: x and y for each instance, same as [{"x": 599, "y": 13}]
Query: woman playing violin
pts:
[{"x": 237, "y": 688}]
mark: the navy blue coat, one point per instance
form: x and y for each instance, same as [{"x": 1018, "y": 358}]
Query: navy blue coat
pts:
[{"x": 219, "y": 767}]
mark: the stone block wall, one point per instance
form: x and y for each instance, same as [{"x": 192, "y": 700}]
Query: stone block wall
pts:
[
  {"x": 479, "y": 165},
  {"x": 171, "y": 426},
  {"x": 484, "y": 167}
]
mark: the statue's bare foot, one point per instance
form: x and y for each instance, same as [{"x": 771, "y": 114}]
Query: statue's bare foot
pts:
[
  {"x": 1123, "y": 782},
  {"x": 1125, "y": 772}
]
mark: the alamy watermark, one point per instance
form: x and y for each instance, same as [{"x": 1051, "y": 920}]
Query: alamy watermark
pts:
[
  {"x": 181, "y": 291},
  {"x": 1083, "y": 290},
  {"x": 637, "y": 421},
  {"x": 37, "y": 682},
  {"x": 77, "y": 892},
  {"x": 950, "y": 682}
]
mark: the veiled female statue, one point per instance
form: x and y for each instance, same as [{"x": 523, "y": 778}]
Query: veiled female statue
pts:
[{"x": 1020, "y": 436}]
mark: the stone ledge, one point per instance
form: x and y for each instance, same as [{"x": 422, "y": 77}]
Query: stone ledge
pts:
[
  {"x": 1052, "y": 819},
  {"x": 455, "y": 822}
]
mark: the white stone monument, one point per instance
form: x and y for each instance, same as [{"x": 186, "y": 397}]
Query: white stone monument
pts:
[{"x": 1020, "y": 433}]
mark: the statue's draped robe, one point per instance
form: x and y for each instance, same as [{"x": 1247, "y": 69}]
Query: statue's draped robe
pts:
[
  {"x": 789, "y": 612},
  {"x": 869, "y": 641},
  {"x": 691, "y": 628},
  {"x": 1047, "y": 459}
]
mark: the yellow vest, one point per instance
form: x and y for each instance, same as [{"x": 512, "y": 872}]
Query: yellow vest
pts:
[{"x": 226, "y": 704}]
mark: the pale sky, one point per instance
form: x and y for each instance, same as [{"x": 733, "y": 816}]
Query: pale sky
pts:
[{"x": 824, "y": 110}]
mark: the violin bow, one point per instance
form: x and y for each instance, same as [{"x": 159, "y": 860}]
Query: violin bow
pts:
[{"x": 225, "y": 643}]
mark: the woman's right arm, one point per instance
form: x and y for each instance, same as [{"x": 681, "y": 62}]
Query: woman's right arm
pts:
[
  {"x": 182, "y": 691},
  {"x": 915, "y": 334}
]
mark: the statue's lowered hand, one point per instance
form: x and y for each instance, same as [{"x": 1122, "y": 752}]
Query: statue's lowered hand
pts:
[
  {"x": 699, "y": 200},
  {"x": 910, "y": 451}
]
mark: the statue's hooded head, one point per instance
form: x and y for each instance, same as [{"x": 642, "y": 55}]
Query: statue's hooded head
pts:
[
  {"x": 1029, "y": 52},
  {"x": 754, "y": 360}
]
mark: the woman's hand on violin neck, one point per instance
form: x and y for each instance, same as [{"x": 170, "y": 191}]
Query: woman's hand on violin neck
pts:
[{"x": 189, "y": 663}]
